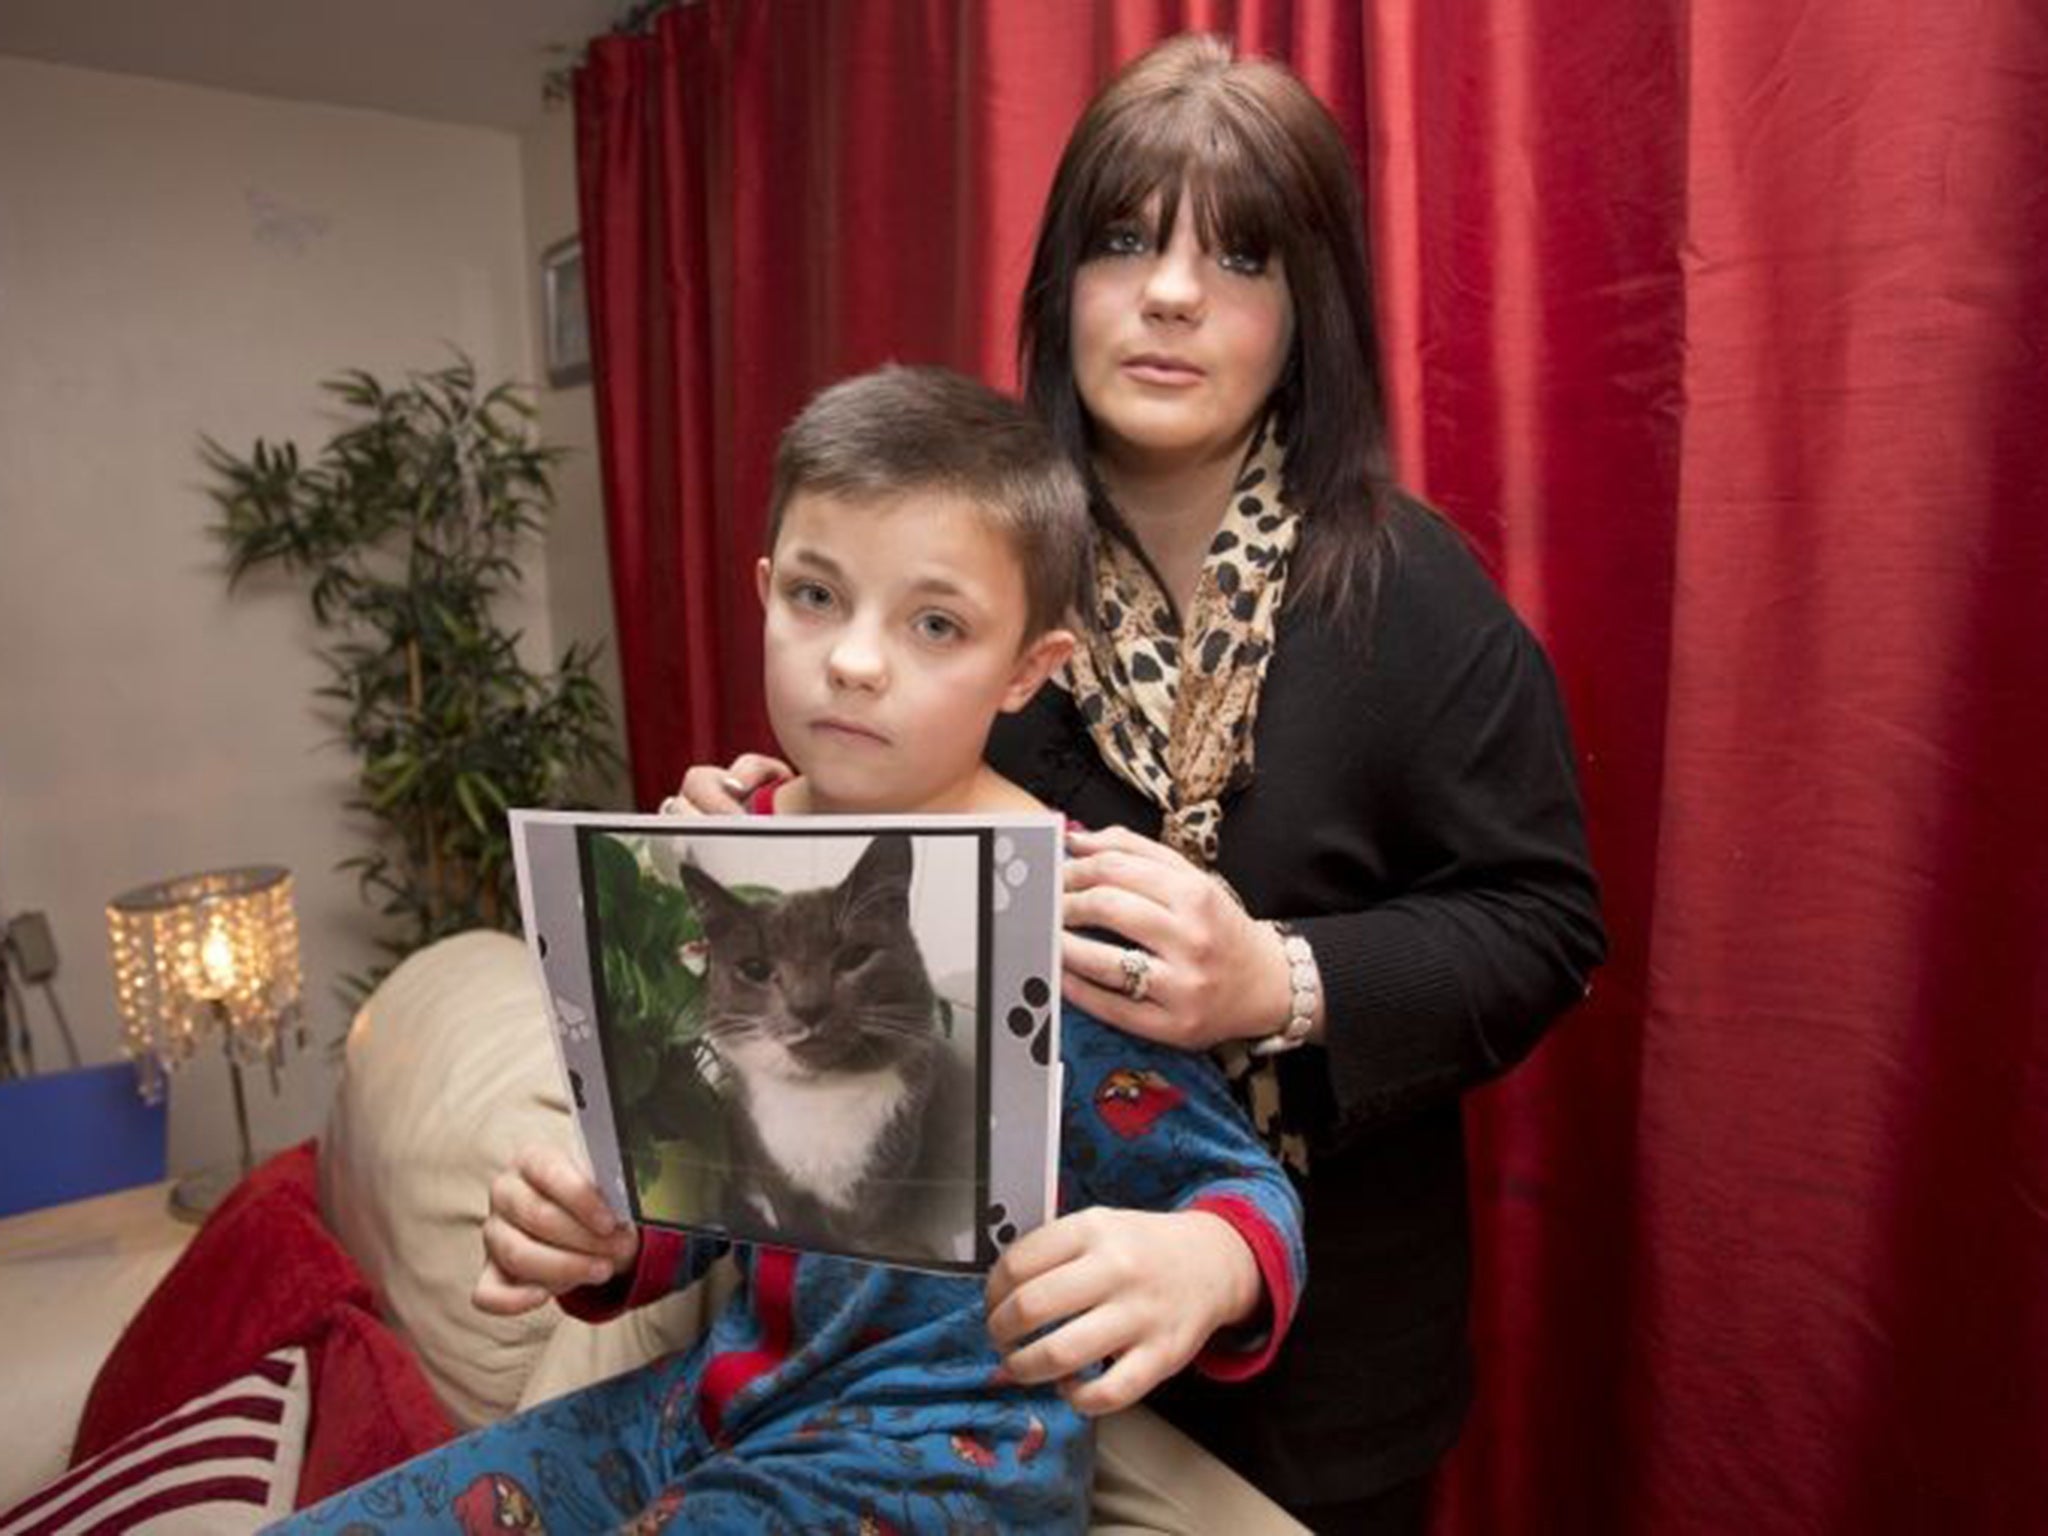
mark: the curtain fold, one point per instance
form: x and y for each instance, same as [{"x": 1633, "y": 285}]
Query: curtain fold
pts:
[{"x": 1721, "y": 332}]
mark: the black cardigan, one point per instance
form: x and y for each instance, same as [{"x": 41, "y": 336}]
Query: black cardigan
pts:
[{"x": 1415, "y": 812}]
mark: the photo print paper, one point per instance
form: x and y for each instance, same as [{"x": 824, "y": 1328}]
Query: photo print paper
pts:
[{"x": 828, "y": 1033}]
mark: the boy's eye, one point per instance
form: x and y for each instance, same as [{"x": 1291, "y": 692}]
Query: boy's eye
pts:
[
  {"x": 813, "y": 596},
  {"x": 853, "y": 957},
  {"x": 938, "y": 628},
  {"x": 755, "y": 969}
]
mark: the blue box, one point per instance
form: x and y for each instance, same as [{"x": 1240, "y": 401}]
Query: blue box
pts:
[{"x": 67, "y": 1135}]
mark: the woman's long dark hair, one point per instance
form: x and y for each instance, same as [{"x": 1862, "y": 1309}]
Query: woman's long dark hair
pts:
[{"x": 1265, "y": 170}]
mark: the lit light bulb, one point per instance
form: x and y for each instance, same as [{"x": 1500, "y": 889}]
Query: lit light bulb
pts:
[{"x": 217, "y": 962}]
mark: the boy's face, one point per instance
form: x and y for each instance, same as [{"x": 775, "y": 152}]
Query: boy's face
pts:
[{"x": 894, "y": 638}]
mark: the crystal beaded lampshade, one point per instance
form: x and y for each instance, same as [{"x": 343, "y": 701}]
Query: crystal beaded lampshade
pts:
[{"x": 207, "y": 954}]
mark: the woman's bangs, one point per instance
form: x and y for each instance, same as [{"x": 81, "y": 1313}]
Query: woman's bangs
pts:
[
  {"x": 1190, "y": 155},
  {"x": 1236, "y": 208},
  {"x": 1130, "y": 169}
]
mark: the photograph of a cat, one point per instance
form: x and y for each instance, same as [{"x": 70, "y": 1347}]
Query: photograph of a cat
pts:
[{"x": 844, "y": 1094}]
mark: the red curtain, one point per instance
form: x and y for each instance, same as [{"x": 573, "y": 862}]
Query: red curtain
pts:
[{"x": 1724, "y": 332}]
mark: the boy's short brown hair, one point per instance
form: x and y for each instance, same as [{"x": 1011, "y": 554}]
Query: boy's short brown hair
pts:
[{"x": 900, "y": 429}]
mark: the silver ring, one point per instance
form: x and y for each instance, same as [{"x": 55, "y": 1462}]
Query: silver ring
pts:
[{"x": 1137, "y": 973}]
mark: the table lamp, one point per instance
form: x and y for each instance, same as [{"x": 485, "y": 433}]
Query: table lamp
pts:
[{"x": 214, "y": 953}]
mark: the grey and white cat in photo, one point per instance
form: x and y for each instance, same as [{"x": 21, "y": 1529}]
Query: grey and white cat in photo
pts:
[{"x": 845, "y": 1094}]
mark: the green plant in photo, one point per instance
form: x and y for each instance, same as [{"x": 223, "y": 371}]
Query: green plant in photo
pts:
[
  {"x": 652, "y": 961},
  {"x": 404, "y": 527}
]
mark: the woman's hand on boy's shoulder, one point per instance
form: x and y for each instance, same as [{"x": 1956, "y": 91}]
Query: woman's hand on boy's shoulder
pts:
[
  {"x": 548, "y": 1231},
  {"x": 708, "y": 790},
  {"x": 1206, "y": 970},
  {"x": 1139, "y": 1292}
]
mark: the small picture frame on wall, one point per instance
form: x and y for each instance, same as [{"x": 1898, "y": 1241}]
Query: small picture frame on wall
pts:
[{"x": 565, "y": 316}]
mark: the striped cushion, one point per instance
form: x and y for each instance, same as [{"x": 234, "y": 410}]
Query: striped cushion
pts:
[{"x": 227, "y": 1461}]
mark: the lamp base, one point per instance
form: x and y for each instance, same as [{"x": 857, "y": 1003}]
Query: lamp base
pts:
[{"x": 193, "y": 1197}]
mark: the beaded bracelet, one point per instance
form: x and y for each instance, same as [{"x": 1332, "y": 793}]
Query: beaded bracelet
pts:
[{"x": 1304, "y": 981}]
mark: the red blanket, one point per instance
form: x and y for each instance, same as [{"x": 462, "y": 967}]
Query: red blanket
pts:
[{"x": 262, "y": 1273}]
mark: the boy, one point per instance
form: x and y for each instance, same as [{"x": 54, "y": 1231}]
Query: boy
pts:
[{"x": 926, "y": 538}]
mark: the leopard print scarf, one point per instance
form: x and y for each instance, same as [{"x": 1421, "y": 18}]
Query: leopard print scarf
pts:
[{"x": 1173, "y": 715}]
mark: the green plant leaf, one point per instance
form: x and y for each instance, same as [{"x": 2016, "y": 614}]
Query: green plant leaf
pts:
[{"x": 403, "y": 527}]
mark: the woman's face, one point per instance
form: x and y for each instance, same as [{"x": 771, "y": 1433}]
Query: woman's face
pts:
[{"x": 1176, "y": 349}]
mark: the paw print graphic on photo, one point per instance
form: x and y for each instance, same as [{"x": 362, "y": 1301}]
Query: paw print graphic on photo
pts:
[
  {"x": 996, "y": 1223},
  {"x": 1032, "y": 1019},
  {"x": 1011, "y": 873},
  {"x": 574, "y": 1021}
]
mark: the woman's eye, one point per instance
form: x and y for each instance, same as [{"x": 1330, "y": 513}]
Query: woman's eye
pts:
[
  {"x": 853, "y": 957},
  {"x": 1122, "y": 240},
  {"x": 1243, "y": 263},
  {"x": 755, "y": 969},
  {"x": 938, "y": 628}
]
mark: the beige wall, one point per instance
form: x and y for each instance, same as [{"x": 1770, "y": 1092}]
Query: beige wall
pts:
[
  {"x": 174, "y": 261},
  {"x": 579, "y": 567}
]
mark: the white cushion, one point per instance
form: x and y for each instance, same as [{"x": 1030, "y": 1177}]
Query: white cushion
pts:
[
  {"x": 225, "y": 1462},
  {"x": 450, "y": 1070},
  {"x": 71, "y": 1276},
  {"x": 1152, "y": 1480}
]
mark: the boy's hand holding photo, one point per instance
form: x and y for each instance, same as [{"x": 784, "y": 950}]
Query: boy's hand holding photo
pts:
[
  {"x": 548, "y": 1231},
  {"x": 712, "y": 791},
  {"x": 1142, "y": 1290}
]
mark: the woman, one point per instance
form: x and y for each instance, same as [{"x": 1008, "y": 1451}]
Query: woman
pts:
[{"x": 1337, "y": 831}]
